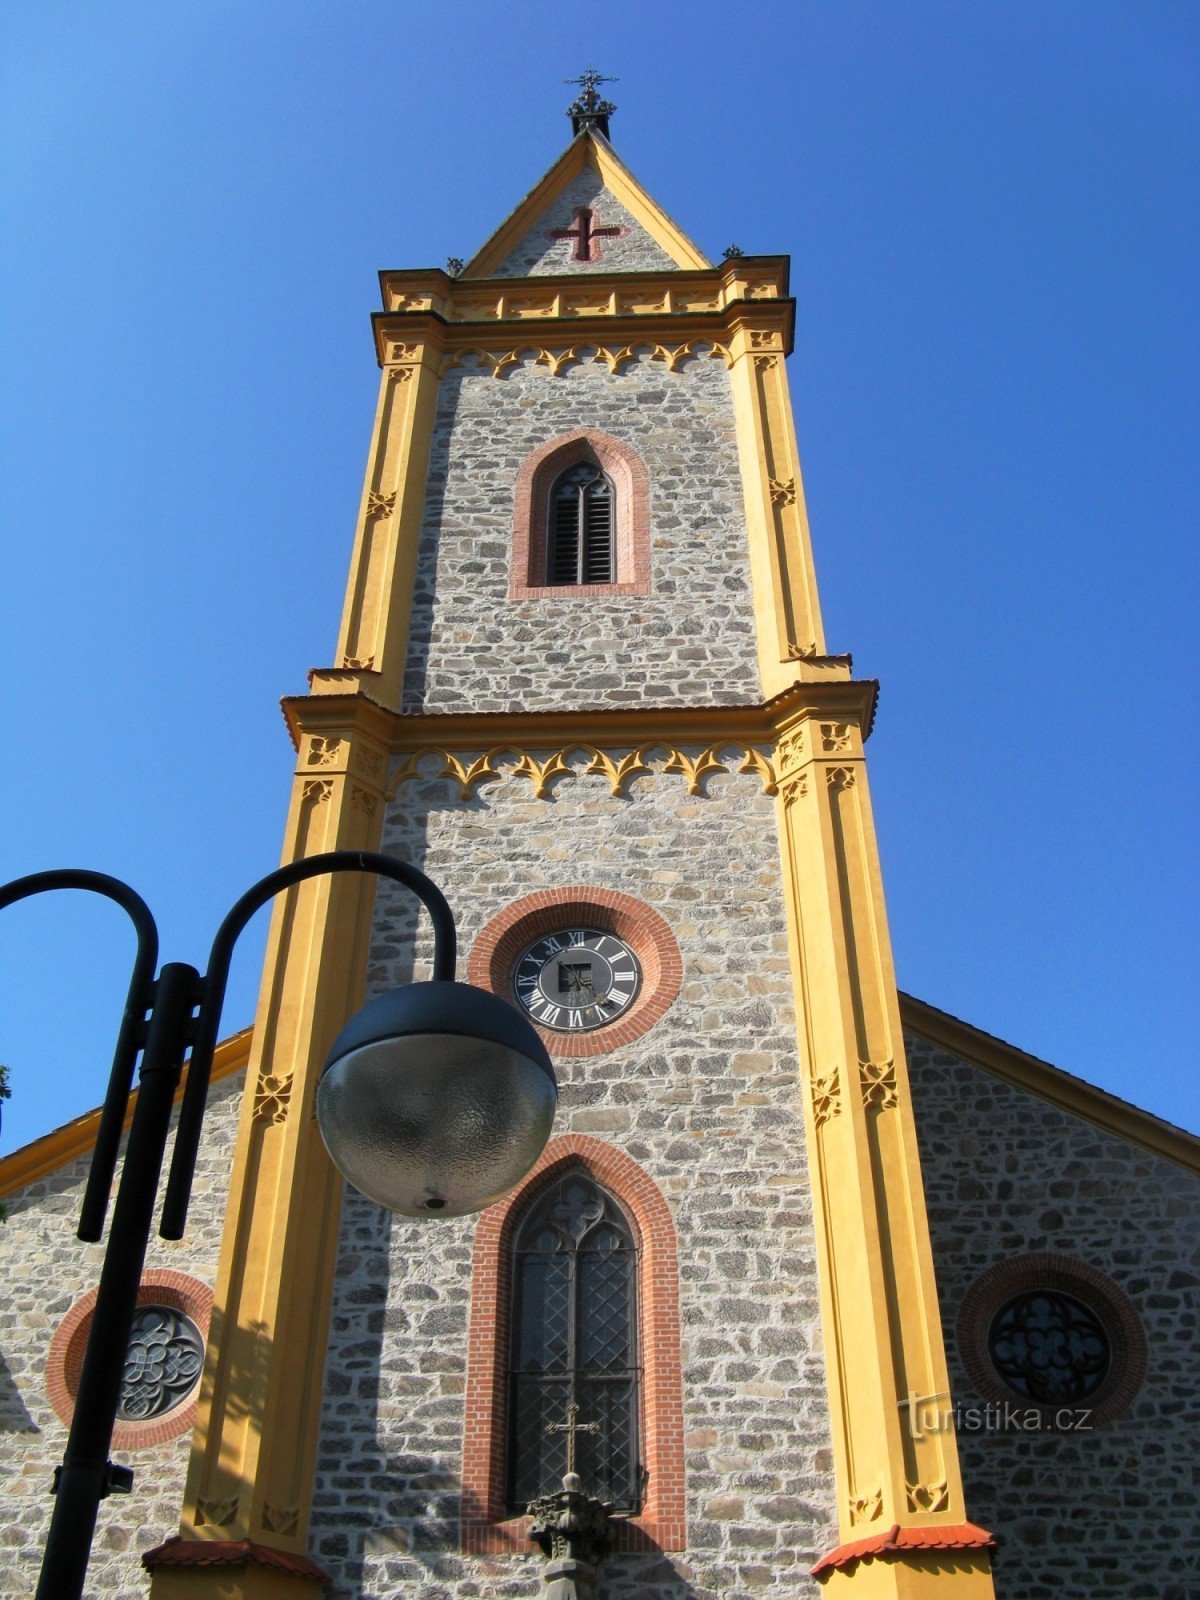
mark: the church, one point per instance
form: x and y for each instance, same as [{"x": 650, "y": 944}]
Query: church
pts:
[{"x": 815, "y": 1288}]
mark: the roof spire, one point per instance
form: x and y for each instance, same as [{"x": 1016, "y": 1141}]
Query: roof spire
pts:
[{"x": 589, "y": 110}]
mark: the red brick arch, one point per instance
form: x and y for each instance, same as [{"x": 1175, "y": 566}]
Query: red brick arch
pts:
[
  {"x": 648, "y": 935},
  {"x": 531, "y": 515},
  {"x": 486, "y": 1526}
]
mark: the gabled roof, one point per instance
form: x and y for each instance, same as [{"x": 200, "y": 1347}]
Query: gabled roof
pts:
[
  {"x": 77, "y": 1138},
  {"x": 587, "y": 149},
  {"x": 1051, "y": 1084}
]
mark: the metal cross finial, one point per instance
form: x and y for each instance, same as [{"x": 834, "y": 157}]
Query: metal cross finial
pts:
[
  {"x": 589, "y": 110},
  {"x": 571, "y": 1427}
]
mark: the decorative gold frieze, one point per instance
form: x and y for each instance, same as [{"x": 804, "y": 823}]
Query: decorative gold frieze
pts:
[
  {"x": 557, "y": 360},
  {"x": 543, "y": 767},
  {"x": 541, "y": 773},
  {"x": 878, "y": 1082}
]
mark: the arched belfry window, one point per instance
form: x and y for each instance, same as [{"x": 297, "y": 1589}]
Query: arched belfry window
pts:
[
  {"x": 582, "y": 527},
  {"x": 573, "y": 1370}
]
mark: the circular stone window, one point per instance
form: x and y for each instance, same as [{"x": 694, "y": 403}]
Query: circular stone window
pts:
[
  {"x": 1048, "y": 1332},
  {"x": 162, "y": 1365},
  {"x": 1049, "y": 1347},
  {"x": 592, "y": 968}
]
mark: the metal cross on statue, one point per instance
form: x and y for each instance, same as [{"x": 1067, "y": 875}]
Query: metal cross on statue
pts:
[
  {"x": 585, "y": 233},
  {"x": 571, "y": 1427}
]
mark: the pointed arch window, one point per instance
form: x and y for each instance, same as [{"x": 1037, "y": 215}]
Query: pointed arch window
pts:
[
  {"x": 573, "y": 1371},
  {"x": 582, "y": 527}
]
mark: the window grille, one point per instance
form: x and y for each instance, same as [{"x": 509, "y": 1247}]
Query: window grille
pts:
[
  {"x": 581, "y": 527},
  {"x": 573, "y": 1373}
]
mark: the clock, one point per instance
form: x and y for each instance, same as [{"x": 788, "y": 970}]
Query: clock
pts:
[{"x": 576, "y": 979}]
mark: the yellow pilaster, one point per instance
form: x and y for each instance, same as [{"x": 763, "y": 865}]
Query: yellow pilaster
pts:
[
  {"x": 883, "y": 1341},
  {"x": 373, "y": 636},
  {"x": 787, "y": 613},
  {"x": 253, "y": 1451}
]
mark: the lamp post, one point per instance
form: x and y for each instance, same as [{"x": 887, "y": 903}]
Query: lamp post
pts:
[{"x": 436, "y": 1099}]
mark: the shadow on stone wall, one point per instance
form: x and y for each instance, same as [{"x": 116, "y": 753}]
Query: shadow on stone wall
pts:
[{"x": 14, "y": 1418}]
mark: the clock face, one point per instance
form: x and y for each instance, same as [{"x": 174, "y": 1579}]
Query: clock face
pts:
[{"x": 577, "y": 979}]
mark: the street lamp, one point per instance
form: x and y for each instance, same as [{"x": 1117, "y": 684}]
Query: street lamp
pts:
[{"x": 435, "y": 1100}]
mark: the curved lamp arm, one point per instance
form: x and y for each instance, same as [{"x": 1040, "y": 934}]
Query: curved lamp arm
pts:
[
  {"x": 195, "y": 1095},
  {"x": 129, "y": 1036}
]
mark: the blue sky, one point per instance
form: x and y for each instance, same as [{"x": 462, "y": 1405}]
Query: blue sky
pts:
[{"x": 991, "y": 213}]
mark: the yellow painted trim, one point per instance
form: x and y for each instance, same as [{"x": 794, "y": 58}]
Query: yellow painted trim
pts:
[
  {"x": 837, "y": 696},
  {"x": 878, "y": 1291},
  {"x": 587, "y": 149},
  {"x": 78, "y": 1138},
  {"x": 1050, "y": 1083}
]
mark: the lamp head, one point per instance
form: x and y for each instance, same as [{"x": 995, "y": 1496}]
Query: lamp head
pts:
[{"x": 436, "y": 1099}]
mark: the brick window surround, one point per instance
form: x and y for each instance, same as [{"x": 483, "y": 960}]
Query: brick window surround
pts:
[
  {"x": 495, "y": 952},
  {"x": 1045, "y": 1270},
  {"x": 486, "y": 1526},
  {"x": 65, "y": 1359},
  {"x": 531, "y": 516}
]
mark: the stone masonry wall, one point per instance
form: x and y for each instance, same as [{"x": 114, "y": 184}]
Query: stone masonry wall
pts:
[
  {"x": 46, "y": 1270},
  {"x": 539, "y": 254},
  {"x": 690, "y": 641},
  {"x": 706, "y": 1102},
  {"x": 1107, "y": 1512}
]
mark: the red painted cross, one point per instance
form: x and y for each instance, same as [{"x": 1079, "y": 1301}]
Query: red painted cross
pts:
[{"x": 585, "y": 234}]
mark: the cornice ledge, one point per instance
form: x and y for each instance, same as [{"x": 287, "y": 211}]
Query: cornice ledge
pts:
[
  {"x": 180, "y": 1552},
  {"x": 844, "y": 698},
  {"x": 897, "y": 1542}
]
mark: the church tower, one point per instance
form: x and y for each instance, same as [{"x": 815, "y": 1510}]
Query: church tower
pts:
[{"x": 582, "y": 682}]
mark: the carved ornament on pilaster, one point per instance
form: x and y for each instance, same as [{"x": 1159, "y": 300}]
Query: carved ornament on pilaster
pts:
[
  {"x": 840, "y": 777},
  {"x": 272, "y": 1098},
  {"x": 359, "y": 664},
  {"x": 866, "y": 1507},
  {"x": 281, "y": 1519},
  {"x": 323, "y": 751},
  {"x": 368, "y": 762},
  {"x": 928, "y": 1496},
  {"x": 783, "y": 491},
  {"x": 877, "y": 1079},
  {"x": 363, "y": 801},
  {"x": 216, "y": 1513},
  {"x": 826, "y": 1098},
  {"x": 836, "y": 738},
  {"x": 317, "y": 791},
  {"x": 380, "y": 505}
]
